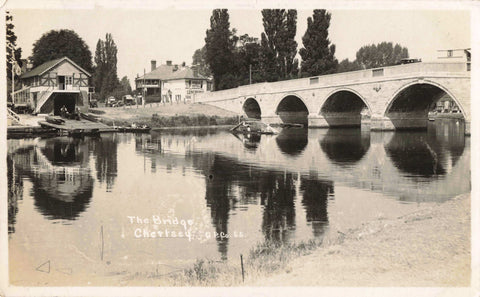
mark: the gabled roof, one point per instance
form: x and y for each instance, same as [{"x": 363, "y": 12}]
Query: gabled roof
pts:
[
  {"x": 39, "y": 70},
  {"x": 166, "y": 72},
  {"x": 185, "y": 72}
]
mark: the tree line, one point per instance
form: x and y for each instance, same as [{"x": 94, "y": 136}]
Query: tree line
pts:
[
  {"x": 230, "y": 59},
  {"x": 238, "y": 60}
]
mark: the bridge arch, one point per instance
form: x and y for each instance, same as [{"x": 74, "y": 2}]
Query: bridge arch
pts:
[
  {"x": 292, "y": 109},
  {"x": 252, "y": 109},
  {"x": 411, "y": 103},
  {"x": 344, "y": 107}
]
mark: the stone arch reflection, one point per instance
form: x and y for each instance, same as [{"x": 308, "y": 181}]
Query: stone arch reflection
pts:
[
  {"x": 292, "y": 141},
  {"x": 424, "y": 154},
  {"x": 345, "y": 146}
]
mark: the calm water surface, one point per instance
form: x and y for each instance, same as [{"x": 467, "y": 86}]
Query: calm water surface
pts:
[{"x": 81, "y": 203}]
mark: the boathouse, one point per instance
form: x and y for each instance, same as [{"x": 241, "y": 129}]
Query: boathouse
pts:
[{"x": 51, "y": 85}]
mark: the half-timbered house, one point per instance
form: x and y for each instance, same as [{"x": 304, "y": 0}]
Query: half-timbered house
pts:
[{"x": 52, "y": 85}]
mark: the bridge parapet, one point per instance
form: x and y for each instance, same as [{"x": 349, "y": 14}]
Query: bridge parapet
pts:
[{"x": 370, "y": 75}]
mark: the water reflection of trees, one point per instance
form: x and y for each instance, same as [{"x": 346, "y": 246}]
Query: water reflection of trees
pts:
[
  {"x": 104, "y": 150},
  {"x": 315, "y": 201},
  {"x": 15, "y": 193},
  {"x": 424, "y": 154},
  {"x": 58, "y": 169},
  {"x": 292, "y": 141},
  {"x": 345, "y": 146},
  {"x": 230, "y": 184}
]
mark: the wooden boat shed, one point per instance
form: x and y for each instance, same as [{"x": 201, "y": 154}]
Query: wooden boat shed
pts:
[{"x": 52, "y": 85}]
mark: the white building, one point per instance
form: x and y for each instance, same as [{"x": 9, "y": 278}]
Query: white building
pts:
[{"x": 172, "y": 83}]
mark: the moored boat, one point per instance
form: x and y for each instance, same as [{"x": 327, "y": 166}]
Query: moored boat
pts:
[{"x": 257, "y": 127}]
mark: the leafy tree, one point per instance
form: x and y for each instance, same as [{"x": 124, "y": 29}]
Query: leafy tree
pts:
[
  {"x": 200, "y": 61},
  {"x": 219, "y": 44},
  {"x": 125, "y": 84},
  {"x": 246, "y": 55},
  {"x": 318, "y": 55},
  {"x": 17, "y": 52},
  {"x": 278, "y": 45},
  {"x": 105, "y": 77},
  {"x": 57, "y": 44},
  {"x": 345, "y": 66},
  {"x": 380, "y": 55}
]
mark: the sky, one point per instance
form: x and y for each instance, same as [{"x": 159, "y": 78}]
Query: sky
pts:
[{"x": 162, "y": 34}]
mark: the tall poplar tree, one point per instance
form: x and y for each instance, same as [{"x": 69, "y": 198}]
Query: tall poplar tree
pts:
[
  {"x": 318, "y": 55},
  {"x": 105, "y": 76},
  {"x": 219, "y": 44},
  {"x": 278, "y": 45}
]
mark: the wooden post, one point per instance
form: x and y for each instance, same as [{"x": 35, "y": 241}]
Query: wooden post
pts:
[
  {"x": 243, "y": 271},
  {"x": 101, "y": 232}
]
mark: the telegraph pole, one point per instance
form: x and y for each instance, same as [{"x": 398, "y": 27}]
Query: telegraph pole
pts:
[
  {"x": 143, "y": 89},
  {"x": 250, "y": 72}
]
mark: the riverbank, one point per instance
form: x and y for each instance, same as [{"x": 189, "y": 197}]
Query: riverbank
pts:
[
  {"x": 430, "y": 247},
  {"x": 427, "y": 247},
  {"x": 169, "y": 115}
]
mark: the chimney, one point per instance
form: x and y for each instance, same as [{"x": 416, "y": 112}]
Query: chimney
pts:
[
  {"x": 169, "y": 63},
  {"x": 195, "y": 70},
  {"x": 154, "y": 64}
]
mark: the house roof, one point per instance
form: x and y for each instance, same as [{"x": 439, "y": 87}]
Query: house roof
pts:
[
  {"x": 41, "y": 69},
  {"x": 166, "y": 72}
]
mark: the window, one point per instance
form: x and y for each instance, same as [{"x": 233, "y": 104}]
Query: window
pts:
[
  {"x": 68, "y": 80},
  {"x": 314, "y": 80},
  {"x": 450, "y": 53}
]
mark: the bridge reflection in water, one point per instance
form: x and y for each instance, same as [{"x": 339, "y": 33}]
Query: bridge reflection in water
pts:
[{"x": 272, "y": 188}]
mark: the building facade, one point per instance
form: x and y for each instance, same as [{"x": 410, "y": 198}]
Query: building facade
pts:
[
  {"x": 170, "y": 83},
  {"x": 52, "y": 85}
]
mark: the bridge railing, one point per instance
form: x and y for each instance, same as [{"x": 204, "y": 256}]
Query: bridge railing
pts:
[{"x": 423, "y": 69}]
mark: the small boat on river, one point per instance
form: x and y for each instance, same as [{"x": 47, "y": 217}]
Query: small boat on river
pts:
[
  {"x": 253, "y": 127},
  {"x": 134, "y": 129}
]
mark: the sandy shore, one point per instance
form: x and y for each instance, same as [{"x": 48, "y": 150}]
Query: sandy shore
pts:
[{"x": 430, "y": 247}]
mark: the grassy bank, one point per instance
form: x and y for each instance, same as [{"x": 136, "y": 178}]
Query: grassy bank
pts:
[
  {"x": 158, "y": 115},
  {"x": 263, "y": 259}
]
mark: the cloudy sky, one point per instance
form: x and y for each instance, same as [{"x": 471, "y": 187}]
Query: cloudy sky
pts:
[{"x": 172, "y": 33}]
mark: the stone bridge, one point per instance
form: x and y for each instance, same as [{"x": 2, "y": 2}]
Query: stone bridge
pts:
[{"x": 389, "y": 98}]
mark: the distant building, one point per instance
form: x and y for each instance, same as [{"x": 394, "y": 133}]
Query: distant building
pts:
[
  {"x": 56, "y": 83},
  {"x": 172, "y": 83},
  {"x": 456, "y": 55}
]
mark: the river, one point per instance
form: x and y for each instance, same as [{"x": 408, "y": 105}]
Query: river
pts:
[{"x": 125, "y": 203}]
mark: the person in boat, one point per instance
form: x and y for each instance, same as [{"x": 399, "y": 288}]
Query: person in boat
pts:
[
  {"x": 246, "y": 126},
  {"x": 77, "y": 113},
  {"x": 63, "y": 111}
]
